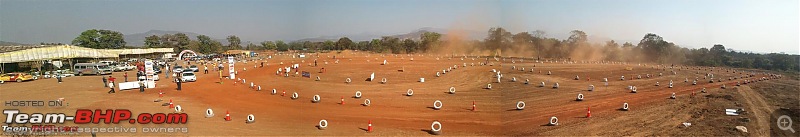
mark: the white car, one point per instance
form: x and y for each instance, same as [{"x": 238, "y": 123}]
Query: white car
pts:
[{"x": 188, "y": 77}]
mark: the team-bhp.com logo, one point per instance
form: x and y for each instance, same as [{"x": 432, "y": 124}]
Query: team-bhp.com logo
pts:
[
  {"x": 41, "y": 122},
  {"x": 85, "y": 116}
]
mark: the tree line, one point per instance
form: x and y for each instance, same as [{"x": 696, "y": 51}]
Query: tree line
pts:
[{"x": 651, "y": 48}]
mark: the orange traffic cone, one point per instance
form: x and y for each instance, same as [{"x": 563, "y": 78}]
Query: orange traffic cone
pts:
[
  {"x": 227, "y": 116},
  {"x": 284, "y": 93},
  {"x": 170, "y": 104},
  {"x": 342, "y": 101},
  {"x": 369, "y": 127},
  {"x": 588, "y": 112},
  {"x": 473, "y": 105},
  {"x": 161, "y": 94}
]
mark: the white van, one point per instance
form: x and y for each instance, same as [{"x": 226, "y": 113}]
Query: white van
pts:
[{"x": 91, "y": 68}]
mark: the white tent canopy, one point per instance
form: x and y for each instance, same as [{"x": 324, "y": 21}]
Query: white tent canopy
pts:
[{"x": 67, "y": 51}]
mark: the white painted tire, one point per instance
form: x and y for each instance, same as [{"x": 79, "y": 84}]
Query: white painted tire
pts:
[
  {"x": 542, "y": 84},
  {"x": 358, "y": 94},
  {"x": 520, "y": 105},
  {"x": 367, "y": 102},
  {"x": 452, "y": 90},
  {"x": 348, "y": 80},
  {"x": 259, "y": 88},
  {"x": 555, "y": 85},
  {"x": 591, "y": 88},
  {"x": 625, "y": 106},
  {"x": 316, "y": 99},
  {"x": 322, "y": 124},
  {"x": 274, "y": 91},
  {"x": 178, "y": 109},
  {"x": 318, "y": 79},
  {"x": 209, "y": 113},
  {"x": 553, "y": 121},
  {"x": 489, "y": 86},
  {"x": 295, "y": 95},
  {"x": 672, "y": 96},
  {"x": 251, "y": 118},
  {"x": 435, "y": 130},
  {"x": 383, "y": 81},
  {"x": 409, "y": 92},
  {"x": 437, "y": 74},
  {"x": 580, "y": 97},
  {"x": 439, "y": 106}
]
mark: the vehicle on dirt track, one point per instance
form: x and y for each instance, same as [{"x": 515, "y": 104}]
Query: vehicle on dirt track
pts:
[{"x": 188, "y": 77}]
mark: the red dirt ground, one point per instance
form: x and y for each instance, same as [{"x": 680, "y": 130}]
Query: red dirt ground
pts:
[{"x": 394, "y": 114}]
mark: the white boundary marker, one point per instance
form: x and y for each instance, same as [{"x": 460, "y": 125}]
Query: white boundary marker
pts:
[
  {"x": 358, "y": 94},
  {"x": 435, "y": 130},
  {"x": 580, "y": 97},
  {"x": 178, "y": 109},
  {"x": 409, "y": 92},
  {"x": 520, "y": 105},
  {"x": 322, "y": 124},
  {"x": 209, "y": 113},
  {"x": 295, "y": 95},
  {"x": 316, "y": 99},
  {"x": 250, "y": 118},
  {"x": 553, "y": 121},
  {"x": 452, "y": 90},
  {"x": 625, "y": 106},
  {"x": 437, "y": 107},
  {"x": 367, "y": 102}
]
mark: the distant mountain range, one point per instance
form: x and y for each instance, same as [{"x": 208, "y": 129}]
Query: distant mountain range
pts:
[
  {"x": 6, "y": 43},
  {"x": 411, "y": 35},
  {"x": 137, "y": 39}
]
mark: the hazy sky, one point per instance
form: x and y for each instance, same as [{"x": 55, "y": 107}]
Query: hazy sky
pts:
[{"x": 749, "y": 25}]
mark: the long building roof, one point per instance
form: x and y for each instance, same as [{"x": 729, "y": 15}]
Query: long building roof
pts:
[{"x": 11, "y": 54}]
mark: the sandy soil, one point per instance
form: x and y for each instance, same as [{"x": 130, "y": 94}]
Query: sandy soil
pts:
[{"x": 394, "y": 114}]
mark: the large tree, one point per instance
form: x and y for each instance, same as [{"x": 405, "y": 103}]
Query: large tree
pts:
[
  {"x": 269, "y": 45},
  {"x": 498, "y": 40},
  {"x": 428, "y": 40},
  {"x": 234, "y": 42},
  {"x": 181, "y": 41},
  {"x": 343, "y": 43},
  {"x": 100, "y": 39},
  {"x": 281, "y": 46},
  {"x": 152, "y": 42}
]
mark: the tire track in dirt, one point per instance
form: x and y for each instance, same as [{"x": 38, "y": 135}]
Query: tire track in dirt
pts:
[{"x": 756, "y": 104}]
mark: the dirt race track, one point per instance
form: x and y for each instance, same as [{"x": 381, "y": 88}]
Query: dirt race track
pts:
[{"x": 392, "y": 113}]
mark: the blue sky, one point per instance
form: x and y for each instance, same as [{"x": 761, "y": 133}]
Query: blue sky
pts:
[{"x": 749, "y": 25}]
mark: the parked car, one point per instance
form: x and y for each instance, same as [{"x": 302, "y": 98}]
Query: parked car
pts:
[
  {"x": 177, "y": 68},
  {"x": 18, "y": 77},
  {"x": 194, "y": 68},
  {"x": 188, "y": 77}
]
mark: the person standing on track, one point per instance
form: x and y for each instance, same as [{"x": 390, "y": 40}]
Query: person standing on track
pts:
[
  {"x": 205, "y": 69},
  {"x": 105, "y": 82},
  {"x": 112, "y": 79},
  {"x": 178, "y": 82},
  {"x": 126, "y": 76}
]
